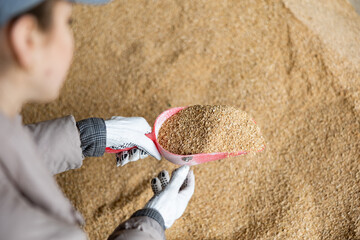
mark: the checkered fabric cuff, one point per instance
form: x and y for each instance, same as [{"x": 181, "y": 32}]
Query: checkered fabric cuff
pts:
[
  {"x": 151, "y": 213},
  {"x": 92, "y": 136}
]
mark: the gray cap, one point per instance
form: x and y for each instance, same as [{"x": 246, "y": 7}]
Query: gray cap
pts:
[{"x": 12, "y": 8}]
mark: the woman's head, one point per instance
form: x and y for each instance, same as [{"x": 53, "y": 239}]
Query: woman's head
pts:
[{"x": 36, "y": 49}]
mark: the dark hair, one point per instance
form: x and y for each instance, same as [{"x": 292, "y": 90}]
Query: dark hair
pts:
[{"x": 43, "y": 13}]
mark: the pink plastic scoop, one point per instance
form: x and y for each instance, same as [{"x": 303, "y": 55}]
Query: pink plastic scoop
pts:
[{"x": 193, "y": 159}]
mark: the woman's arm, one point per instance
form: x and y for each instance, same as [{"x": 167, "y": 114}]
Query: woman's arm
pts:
[
  {"x": 22, "y": 219},
  {"x": 64, "y": 143},
  {"x": 146, "y": 224}
]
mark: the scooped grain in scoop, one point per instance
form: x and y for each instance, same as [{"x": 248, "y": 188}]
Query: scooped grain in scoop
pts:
[{"x": 209, "y": 129}]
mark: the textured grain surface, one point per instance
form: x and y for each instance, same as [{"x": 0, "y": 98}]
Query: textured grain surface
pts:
[
  {"x": 268, "y": 58},
  {"x": 210, "y": 129}
]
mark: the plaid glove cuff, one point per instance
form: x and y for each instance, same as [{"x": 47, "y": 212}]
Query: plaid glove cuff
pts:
[
  {"x": 92, "y": 136},
  {"x": 151, "y": 213}
]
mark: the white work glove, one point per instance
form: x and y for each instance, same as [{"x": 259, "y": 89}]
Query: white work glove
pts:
[
  {"x": 172, "y": 197},
  {"x": 125, "y": 132}
]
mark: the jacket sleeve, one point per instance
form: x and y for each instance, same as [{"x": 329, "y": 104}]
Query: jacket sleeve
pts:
[
  {"x": 145, "y": 224},
  {"x": 64, "y": 142},
  {"x": 21, "y": 220}
]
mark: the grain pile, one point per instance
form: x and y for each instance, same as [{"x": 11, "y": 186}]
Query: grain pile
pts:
[
  {"x": 293, "y": 65},
  {"x": 210, "y": 129}
]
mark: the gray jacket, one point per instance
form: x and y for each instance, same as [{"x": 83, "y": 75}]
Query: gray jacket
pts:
[{"x": 31, "y": 204}]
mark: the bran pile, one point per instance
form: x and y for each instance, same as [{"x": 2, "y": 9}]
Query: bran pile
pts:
[
  {"x": 210, "y": 129},
  {"x": 141, "y": 57}
]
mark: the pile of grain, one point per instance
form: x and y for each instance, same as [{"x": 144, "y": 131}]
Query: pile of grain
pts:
[
  {"x": 210, "y": 129},
  {"x": 140, "y": 58}
]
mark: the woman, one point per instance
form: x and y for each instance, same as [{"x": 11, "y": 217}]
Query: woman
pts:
[{"x": 36, "y": 47}]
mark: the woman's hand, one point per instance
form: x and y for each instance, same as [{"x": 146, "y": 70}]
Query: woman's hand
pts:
[
  {"x": 125, "y": 132},
  {"x": 172, "y": 196}
]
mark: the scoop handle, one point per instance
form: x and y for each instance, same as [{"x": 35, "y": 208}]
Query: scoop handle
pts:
[{"x": 110, "y": 150}]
